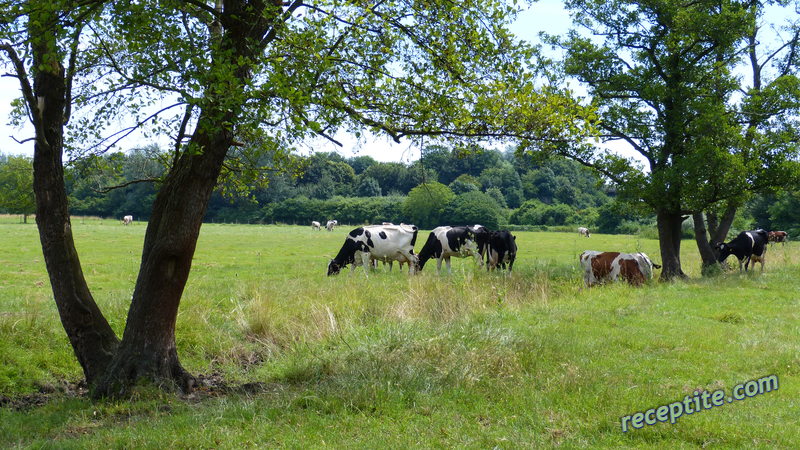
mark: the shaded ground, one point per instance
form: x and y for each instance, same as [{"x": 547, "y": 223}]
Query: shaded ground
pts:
[{"x": 212, "y": 385}]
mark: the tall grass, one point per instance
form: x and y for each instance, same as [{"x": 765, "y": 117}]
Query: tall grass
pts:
[{"x": 469, "y": 359}]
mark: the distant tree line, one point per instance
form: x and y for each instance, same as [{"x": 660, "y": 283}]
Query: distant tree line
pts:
[{"x": 445, "y": 186}]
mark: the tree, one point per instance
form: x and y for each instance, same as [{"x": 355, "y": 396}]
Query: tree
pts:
[
  {"x": 662, "y": 81},
  {"x": 768, "y": 121},
  {"x": 238, "y": 71},
  {"x": 475, "y": 207},
  {"x": 392, "y": 177},
  {"x": 361, "y": 163},
  {"x": 426, "y": 203},
  {"x": 505, "y": 178},
  {"x": 16, "y": 186},
  {"x": 368, "y": 187}
]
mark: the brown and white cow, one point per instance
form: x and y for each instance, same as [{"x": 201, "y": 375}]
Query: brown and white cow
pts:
[
  {"x": 127, "y": 220},
  {"x": 777, "y": 236},
  {"x": 599, "y": 267},
  {"x": 315, "y": 225},
  {"x": 583, "y": 231}
]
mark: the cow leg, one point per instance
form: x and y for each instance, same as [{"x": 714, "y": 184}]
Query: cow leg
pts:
[
  {"x": 366, "y": 263},
  {"x": 439, "y": 265},
  {"x": 449, "y": 269},
  {"x": 409, "y": 259}
]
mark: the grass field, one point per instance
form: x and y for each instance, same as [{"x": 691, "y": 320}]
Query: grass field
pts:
[{"x": 468, "y": 360}]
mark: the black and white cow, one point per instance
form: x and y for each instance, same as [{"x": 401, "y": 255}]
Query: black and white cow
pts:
[
  {"x": 444, "y": 242},
  {"x": 747, "y": 246},
  {"x": 376, "y": 242},
  {"x": 331, "y": 224},
  {"x": 502, "y": 250}
]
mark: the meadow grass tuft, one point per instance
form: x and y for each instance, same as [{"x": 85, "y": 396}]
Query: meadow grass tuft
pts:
[{"x": 470, "y": 359}]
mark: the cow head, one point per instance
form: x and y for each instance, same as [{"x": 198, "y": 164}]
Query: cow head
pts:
[
  {"x": 333, "y": 268},
  {"x": 723, "y": 250}
]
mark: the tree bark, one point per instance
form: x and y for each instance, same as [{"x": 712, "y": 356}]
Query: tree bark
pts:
[
  {"x": 724, "y": 224},
  {"x": 669, "y": 237},
  {"x": 148, "y": 348},
  {"x": 707, "y": 254},
  {"x": 90, "y": 335},
  {"x": 717, "y": 230}
]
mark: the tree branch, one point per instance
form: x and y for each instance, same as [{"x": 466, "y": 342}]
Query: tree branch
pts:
[
  {"x": 107, "y": 189},
  {"x": 27, "y": 90}
]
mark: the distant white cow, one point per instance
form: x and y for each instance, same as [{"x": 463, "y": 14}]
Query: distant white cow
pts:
[
  {"x": 315, "y": 225},
  {"x": 331, "y": 225},
  {"x": 582, "y": 231},
  {"x": 127, "y": 220}
]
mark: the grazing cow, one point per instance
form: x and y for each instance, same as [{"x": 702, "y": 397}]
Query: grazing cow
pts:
[
  {"x": 315, "y": 225},
  {"x": 777, "y": 236},
  {"x": 376, "y": 242},
  {"x": 127, "y": 220},
  {"x": 482, "y": 235},
  {"x": 502, "y": 249},
  {"x": 598, "y": 267},
  {"x": 747, "y": 246},
  {"x": 582, "y": 231},
  {"x": 331, "y": 225},
  {"x": 444, "y": 242}
]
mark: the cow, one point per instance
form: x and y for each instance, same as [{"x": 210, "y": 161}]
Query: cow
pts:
[
  {"x": 583, "y": 231},
  {"x": 376, "y": 242},
  {"x": 599, "y": 267},
  {"x": 748, "y": 246},
  {"x": 331, "y": 225},
  {"x": 502, "y": 249},
  {"x": 127, "y": 220},
  {"x": 777, "y": 236},
  {"x": 444, "y": 242},
  {"x": 315, "y": 225},
  {"x": 481, "y": 238}
]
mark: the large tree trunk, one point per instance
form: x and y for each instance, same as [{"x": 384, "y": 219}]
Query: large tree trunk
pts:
[
  {"x": 669, "y": 239},
  {"x": 148, "y": 347},
  {"x": 708, "y": 256},
  {"x": 92, "y": 339},
  {"x": 721, "y": 232},
  {"x": 717, "y": 229}
]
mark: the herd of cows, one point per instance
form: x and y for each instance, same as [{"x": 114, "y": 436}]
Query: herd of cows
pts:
[{"x": 367, "y": 245}]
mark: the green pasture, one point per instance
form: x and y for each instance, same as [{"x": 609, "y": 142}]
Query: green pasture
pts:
[{"x": 463, "y": 360}]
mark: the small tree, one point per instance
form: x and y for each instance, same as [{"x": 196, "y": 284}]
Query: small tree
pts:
[
  {"x": 426, "y": 204},
  {"x": 475, "y": 207},
  {"x": 16, "y": 186},
  {"x": 368, "y": 187}
]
